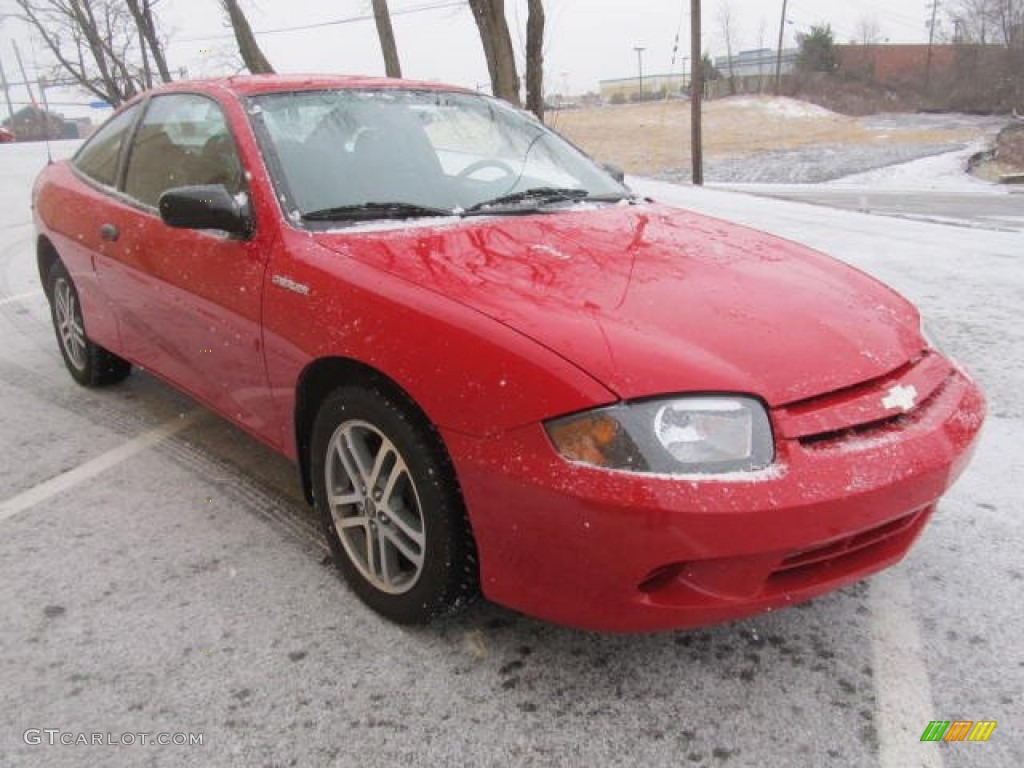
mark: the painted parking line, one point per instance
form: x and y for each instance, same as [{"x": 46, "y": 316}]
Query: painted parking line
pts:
[
  {"x": 21, "y": 297},
  {"x": 902, "y": 688},
  {"x": 94, "y": 467}
]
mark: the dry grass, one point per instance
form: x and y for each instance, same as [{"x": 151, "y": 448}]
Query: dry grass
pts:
[{"x": 655, "y": 136}]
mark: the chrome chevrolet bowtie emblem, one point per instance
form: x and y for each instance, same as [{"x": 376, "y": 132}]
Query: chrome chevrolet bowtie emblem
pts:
[{"x": 903, "y": 398}]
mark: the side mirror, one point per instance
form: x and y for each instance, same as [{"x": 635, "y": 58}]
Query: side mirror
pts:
[
  {"x": 208, "y": 206},
  {"x": 615, "y": 172}
]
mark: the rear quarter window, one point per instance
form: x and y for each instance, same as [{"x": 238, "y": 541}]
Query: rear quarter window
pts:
[{"x": 98, "y": 158}]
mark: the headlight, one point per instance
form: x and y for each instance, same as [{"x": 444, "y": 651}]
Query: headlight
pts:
[{"x": 678, "y": 436}]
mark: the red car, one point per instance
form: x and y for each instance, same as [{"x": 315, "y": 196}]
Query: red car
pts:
[
  {"x": 497, "y": 369},
  {"x": 6, "y": 136}
]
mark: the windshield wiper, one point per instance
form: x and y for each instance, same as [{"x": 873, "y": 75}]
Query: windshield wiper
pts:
[
  {"x": 538, "y": 195},
  {"x": 374, "y": 210}
]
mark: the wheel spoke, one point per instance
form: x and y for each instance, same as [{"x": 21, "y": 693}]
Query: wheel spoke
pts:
[
  {"x": 397, "y": 472},
  {"x": 353, "y": 522},
  {"x": 397, "y": 517},
  {"x": 348, "y": 463},
  {"x": 77, "y": 329},
  {"x": 385, "y": 452},
  {"x": 345, "y": 499},
  {"x": 373, "y": 551},
  {"x": 388, "y": 561},
  {"x": 358, "y": 461},
  {"x": 62, "y": 302},
  {"x": 414, "y": 556}
]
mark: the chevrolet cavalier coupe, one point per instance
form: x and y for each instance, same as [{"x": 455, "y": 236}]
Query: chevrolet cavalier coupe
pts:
[{"x": 497, "y": 369}]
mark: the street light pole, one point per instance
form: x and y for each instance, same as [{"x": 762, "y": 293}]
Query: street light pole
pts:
[
  {"x": 640, "y": 66},
  {"x": 778, "y": 55}
]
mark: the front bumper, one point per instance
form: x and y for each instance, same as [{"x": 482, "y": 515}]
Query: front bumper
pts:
[{"x": 620, "y": 552}]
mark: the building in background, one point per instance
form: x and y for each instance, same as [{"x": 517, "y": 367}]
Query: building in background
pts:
[
  {"x": 32, "y": 123},
  {"x": 654, "y": 86},
  {"x": 753, "y": 71},
  {"x": 757, "y": 63}
]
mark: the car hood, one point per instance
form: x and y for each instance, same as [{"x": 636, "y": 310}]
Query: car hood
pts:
[{"x": 651, "y": 300}]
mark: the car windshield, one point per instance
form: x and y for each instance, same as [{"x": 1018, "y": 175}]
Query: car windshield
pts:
[{"x": 349, "y": 155}]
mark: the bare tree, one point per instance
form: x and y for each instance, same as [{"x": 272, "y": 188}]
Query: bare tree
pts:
[
  {"x": 104, "y": 46},
  {"x": 972, "y": 20},
  {"x": 149, "y": 40},
  {"x": 497, "y": 43},
  {"x": 727, "y": 25},
  {"x": 250, "y": 50},
  {"x": 535, "y": 58},
  {"x": 382, "y": 16},
  {"x": 869, "y": 32},
  {"x": 989, "y": 22},
  {"x": 1008, "y": 16}
]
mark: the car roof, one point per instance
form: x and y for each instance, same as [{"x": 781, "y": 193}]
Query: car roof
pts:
[{"x": 249, "y": 85}]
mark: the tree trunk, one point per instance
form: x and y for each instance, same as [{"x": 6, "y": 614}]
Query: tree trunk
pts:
[
  {"x": 253, "y": 57},
  {"x": 382, "y": 16},
  {"x": 535, "y": 58},
  {"x": 497, "y": 44},
  {"x": 147, "y": 70},
  {"x": 142, "y": 12}
]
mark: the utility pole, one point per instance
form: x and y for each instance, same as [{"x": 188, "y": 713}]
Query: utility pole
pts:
[
  {"x": 3, "y": 81},
  {"x": 24, "y": 75},
  {"x": 7, "y": 94},
  {"x": 931, "y": 42},
  {"x": 386, "y": 33},
  {"x": 696, "y": 95},
  {"x": 778, "y": 55},
  {"x": 640, "y": 66}
]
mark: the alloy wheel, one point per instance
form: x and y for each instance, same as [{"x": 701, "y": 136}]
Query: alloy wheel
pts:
[{"x": 375, "y": 507}]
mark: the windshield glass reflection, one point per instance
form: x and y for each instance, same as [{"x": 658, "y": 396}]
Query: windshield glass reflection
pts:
[{"x": 354, "y": 154}]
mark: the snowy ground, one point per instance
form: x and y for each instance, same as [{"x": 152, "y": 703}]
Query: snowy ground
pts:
[
  {"x": 183, "y": 587},
  {"x": 830, "y": 161}
]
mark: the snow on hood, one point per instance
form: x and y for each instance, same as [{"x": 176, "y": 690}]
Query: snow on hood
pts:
[{"x": 651, "y": 300}]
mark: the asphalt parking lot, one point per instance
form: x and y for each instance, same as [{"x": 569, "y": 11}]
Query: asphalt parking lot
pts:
[{"x": 160, "y": 575}]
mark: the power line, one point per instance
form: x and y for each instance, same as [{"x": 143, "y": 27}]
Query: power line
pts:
[
  {"x": 888, "y": 14},
  {"x": 333, "y": 22}
]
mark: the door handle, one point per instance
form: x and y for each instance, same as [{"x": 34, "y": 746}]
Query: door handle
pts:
[{"x": 110, "y": 232}]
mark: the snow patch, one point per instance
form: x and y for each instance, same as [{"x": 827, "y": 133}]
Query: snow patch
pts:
[{"x": 782, "y": 107}]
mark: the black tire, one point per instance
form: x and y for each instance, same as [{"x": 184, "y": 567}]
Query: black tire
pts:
[
  {"x": 88, "y": 363},
  {"x": 422, "y": 516}
]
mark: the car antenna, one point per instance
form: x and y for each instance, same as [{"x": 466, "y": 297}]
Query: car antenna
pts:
[{"x": 46, "y": 121}]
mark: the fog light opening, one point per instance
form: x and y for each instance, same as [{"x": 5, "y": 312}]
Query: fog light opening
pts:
[{"x": 660, "y": 577}]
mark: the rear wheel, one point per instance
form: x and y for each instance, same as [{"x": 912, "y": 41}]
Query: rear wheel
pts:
[
  {"x": 391, "y": 508},
  {"x": 89, "y": 364}
]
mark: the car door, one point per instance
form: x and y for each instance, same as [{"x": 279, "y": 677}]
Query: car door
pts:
[
  {"x": 75, "y": 208},
  {"x": 188, "y": 301}
]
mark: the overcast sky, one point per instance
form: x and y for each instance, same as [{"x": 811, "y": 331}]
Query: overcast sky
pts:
[{"x": 587, "y": 40}]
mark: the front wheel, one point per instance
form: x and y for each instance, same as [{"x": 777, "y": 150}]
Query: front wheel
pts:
[
  {"x": 392, "y": 512},
  {"x": 88, "y": 363}
]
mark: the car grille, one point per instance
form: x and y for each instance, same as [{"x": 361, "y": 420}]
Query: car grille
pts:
[
  {"x": 860, "y": 411},
  {"x": 831, "y": 554}
]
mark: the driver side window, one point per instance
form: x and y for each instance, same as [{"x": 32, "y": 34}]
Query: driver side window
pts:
[{"x": 183, "y": 140}]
